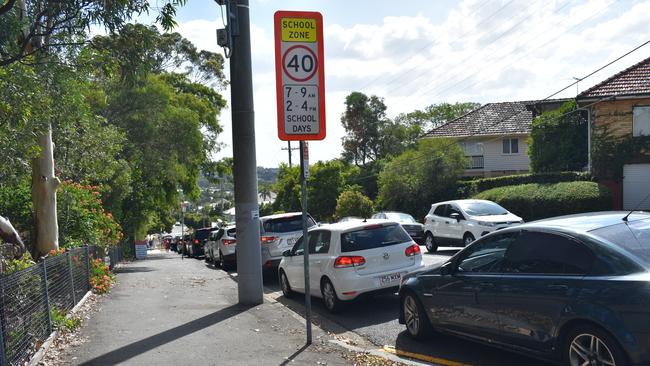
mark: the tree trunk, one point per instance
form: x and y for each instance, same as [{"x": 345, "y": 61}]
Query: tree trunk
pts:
[{"x": 44, "y": 186}]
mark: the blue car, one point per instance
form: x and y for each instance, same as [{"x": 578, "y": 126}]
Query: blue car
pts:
[{"x": 573, "y": 289}]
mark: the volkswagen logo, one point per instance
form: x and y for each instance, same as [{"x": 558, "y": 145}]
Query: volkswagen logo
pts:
[{"x": 386, "y": 256}]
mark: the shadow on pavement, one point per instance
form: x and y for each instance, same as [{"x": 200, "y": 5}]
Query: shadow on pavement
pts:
[
  {"x": 133, "y": 269},
  {"x": 450, "y": 347},
  {"x": 294, "y": 355},
  {"x": 134, "y": 349}
]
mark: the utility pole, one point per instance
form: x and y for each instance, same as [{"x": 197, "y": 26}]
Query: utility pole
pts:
[
  {"x": 237, "y": 40},
  {"x": 289, "y": 149}
]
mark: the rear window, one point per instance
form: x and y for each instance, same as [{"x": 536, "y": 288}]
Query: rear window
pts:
[
  {"x": 202, "y": 234},
  {"x": 634, "y": 237},
  {"x": 374, "y": 236},
  {"x": 286, "y": 224},
  {"x": 231, "y": 232}
]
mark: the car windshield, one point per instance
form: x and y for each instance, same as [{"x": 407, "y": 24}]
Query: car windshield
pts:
[
  {"x": 482, "y": 208},
  {"x": 634, "y": 237},
  {"x": 286, "y": 224},
  {"x": 399, "y": 217},
  {"x": 373, "y": 236}
]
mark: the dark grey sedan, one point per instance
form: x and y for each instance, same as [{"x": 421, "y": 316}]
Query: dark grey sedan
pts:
[{"x": 574, "y": 289}]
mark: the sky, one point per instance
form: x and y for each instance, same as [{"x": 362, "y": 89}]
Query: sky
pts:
[{"x": 418, "y": 53}]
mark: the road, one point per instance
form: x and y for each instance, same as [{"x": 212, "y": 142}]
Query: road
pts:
[{"x": 375, "y": 319}]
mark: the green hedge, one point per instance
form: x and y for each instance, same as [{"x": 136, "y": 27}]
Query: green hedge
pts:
[
  {"x": 468, "y": 188},
  {"x": 537, "y": 201}
]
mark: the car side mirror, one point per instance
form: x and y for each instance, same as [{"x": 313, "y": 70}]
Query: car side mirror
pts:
[
  {"x": 455, "y": 216},
  {"x": 445, "y": 269},
  {"x": 287, "y": 253}
]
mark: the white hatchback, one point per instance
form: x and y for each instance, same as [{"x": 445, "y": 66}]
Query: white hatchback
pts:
[
  {"x": 349, "y": 259},
  {"x": 460, "y": 222}
]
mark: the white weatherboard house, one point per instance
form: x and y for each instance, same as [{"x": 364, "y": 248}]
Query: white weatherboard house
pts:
[{"x": 494, "y": 136}]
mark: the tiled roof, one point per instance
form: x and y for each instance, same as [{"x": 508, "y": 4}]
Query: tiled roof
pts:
[
  {"x": 506, "y": 118},
  {"x": 635, "y": 80}
]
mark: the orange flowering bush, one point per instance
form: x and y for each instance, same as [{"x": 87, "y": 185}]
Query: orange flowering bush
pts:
[
  {"x": 54, "y": 252},
  {"x": 82, "y": 218},
  {"x": 101, "y": 278}
]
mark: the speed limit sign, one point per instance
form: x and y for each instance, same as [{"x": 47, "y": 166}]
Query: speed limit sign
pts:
[{"x": 300, "y": 76}]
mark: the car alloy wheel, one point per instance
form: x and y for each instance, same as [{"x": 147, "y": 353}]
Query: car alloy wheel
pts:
[
  {"x": 332, "y": 302},
  {"x": 588, "y": 349},
  {"x": 468, "y": 239},
  {"x": 430, "y": 243},
  {"x": 411, "y": 315},
  {"x": 284, "y": 283}
]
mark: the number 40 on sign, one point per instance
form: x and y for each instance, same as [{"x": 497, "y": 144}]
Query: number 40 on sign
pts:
[{"x": 300, "y": 75}]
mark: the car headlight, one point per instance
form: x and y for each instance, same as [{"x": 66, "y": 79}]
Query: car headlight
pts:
[{"x": 484, "y": 223}]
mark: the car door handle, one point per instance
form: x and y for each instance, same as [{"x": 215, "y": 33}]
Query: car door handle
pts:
[
  {"x": 558, "y": 287},
  {"x": 446, "y": 222}
]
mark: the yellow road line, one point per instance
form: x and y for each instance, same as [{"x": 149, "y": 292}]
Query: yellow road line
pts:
[{"x": 421, "y": 357}]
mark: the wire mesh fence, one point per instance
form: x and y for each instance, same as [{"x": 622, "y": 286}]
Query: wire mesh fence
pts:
[{"x": 29, "y": 296}]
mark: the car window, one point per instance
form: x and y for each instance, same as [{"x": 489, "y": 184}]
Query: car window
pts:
[
  {"x": 319, "y": 242},
  {"x": 286, "y": 224},
  {"x": 216, "y": 235},
  {"x": 633, "y": 237},
  {"x": 482, "y": 208},
  {"x": 441, "y": 211},
  {"x": 298, "y": 247},
  {"x": 547, "y": 253},
  {"x": 452, "y": 209},
  {"x": 231, "y": 232},
  {"x": 373, "y": 236},
  {"x": 486, "y": 255}
]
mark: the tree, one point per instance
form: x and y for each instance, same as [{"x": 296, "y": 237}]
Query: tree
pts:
[
  {"x": 287, "y": 189},
  {"x": 363, "y": 121},
  {"x": 558, "y": 140},
  {"x": 353, "y": 203},
  {"x": 436, "y": 115},
  {"x": 325, "y": 183},
  {"x": 417, "y": 178}
]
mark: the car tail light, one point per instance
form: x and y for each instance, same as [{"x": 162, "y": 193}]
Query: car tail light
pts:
[
  {"x": 229, "y": 241},
  {"x": 268, "y": 239},
  {"x": 412, "y": 250},
  {"x": 349, "y": 261},
  {"x": 196, "y": 241}
]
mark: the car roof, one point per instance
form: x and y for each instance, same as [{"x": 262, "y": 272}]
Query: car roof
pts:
[
  {"x": 586, "y": 222},
  {"x": 457, "y": 201},
  {"x": 279, "y": 216},
  {"x": 351, "y": 225}
]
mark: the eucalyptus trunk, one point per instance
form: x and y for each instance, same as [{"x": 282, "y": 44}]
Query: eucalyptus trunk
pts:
[{"x": 44, "y": 187}]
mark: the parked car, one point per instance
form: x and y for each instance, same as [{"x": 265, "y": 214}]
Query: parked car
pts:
[
  {"x": 177, "y": 243},
  {"x": 211, "y": 245},
  {"x": 198, "y": 240},
  {"x": 222, "y": 248},
  {"x": 350, "y": 259},
  {"x": 279, "y": 233},
  {"x": 184, "y": 243},
  {"x": 573, "y": 288},
  {"x": 460, "y": 222},
  {"x": 412, "y": 227},
  {"x": 167, "y": 243}
]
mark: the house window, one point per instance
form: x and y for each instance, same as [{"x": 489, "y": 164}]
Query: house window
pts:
[
  {"x": 510, "y": 146},
  {"x": 472, "y": 148},
  {"x": 641, "y": 121}
]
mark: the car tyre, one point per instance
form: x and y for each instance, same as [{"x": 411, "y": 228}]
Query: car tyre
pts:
[
  {"x": 284, "y": 284},
  {"x": 330, "y": 299},
  {"x": 430, "y": 243},
  {"x": 468, "y": 238},
  {"x": 587, "y": 344},
  {"x": 223, "y": 263},
  {"x": 415, "y": 318}
]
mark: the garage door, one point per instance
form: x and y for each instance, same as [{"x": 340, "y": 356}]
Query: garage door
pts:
[{"x": 636, "y": 186}]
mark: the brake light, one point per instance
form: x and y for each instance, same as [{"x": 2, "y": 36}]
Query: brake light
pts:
[
  {"x": 268, "y": 239},
  {"x": 412, "y": 250},
  {"x": 196, "y": 241},
  {"x": 349, "y": 261},
  {"x": 229, "y": 241}
]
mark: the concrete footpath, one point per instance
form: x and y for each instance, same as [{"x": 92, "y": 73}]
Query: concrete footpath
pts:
[{"x": 168, "y": 311}]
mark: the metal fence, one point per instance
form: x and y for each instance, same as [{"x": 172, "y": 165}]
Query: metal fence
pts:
[{"x": 28, "y": 298}]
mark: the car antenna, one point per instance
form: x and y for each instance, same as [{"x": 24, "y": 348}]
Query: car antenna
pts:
[{"x": 635, "y": 208}]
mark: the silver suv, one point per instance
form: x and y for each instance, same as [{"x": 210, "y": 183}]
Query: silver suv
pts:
[{"x": 279, "y": 233}]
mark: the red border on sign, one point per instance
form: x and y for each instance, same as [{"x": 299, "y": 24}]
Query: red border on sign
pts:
[
  {"x": 320, "y": 71},
  {"x": 308, "y": 50}
]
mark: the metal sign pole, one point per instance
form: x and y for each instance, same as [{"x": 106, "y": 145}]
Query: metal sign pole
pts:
[{"x": 304, "y": 172}]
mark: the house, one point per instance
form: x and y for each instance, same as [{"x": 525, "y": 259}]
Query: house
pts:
[
  {"x": 494, "y": 136},
  {"x": 621, "y": 104}
]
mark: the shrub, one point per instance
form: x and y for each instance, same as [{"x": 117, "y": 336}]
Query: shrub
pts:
[
  {"x": 353, "y": 203},
  {"x": 468, "y": 188},
  {"x": 62, "y": 322},
  {"x": 537, "y": 201},
  {"x": 101, "y": 278}
]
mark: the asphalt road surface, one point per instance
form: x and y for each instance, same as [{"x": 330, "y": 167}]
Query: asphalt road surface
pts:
[{"x": 375, "y": 319}]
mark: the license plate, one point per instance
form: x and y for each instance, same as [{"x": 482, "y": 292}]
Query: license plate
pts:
[{"x": 390, "y": 278}]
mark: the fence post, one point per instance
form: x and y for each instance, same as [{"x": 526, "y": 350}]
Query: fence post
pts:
[
  {"x": 74, "y": 296},
  {"x": 3, "y": 354},
  {"x": 46, "y": 295},
  {"x": 87, "y": 268}
]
